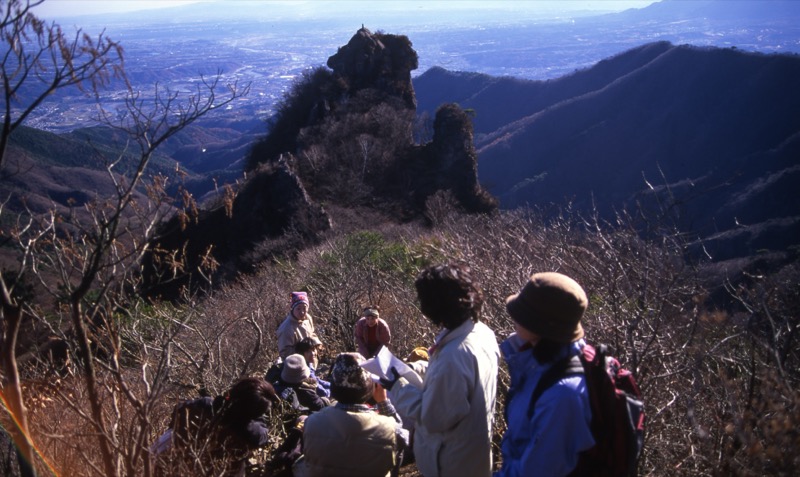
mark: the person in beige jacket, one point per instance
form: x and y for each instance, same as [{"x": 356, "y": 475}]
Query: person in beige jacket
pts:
[
  {"x": 297, "y": 325},
  {"x": 454, "y": 410},
  {"x": 351, "y": 439}
]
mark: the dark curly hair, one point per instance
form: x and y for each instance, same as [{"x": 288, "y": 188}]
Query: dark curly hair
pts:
[
  {"x": 449, "y": 295},
  {"x": 306, "y": 344},
  {"x": 249, "y": 398}
]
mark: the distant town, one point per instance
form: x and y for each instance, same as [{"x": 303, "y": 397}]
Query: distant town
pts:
[{"x": 269, "y": 56}]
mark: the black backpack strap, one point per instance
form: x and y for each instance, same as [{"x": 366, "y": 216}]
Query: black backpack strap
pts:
[{"x": 566, "y": 367}]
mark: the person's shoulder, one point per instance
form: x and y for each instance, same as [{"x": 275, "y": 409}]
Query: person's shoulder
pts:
[
  {"x": 482, "y": 329},
  {"x": 199, "y": 402},
  {"x": 361, "y": 416},
  {"x": 324, "y": 415},
  {"x": 565, "y": 392},
  {"x": 479, "y": 335},
  {"x": 285, "y": 323},
  {"x": 203, "y": 401},
  {"x": 195, "y": 406},
  {"x": 386, "y": 422},
  {"x": 468, "y": 353},
  {"x": 483, "y": 337}
]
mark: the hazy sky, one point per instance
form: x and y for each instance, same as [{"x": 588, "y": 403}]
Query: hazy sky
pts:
[
  {"x": 66, "y": 8},
  {"x": 83, "y": 7}
]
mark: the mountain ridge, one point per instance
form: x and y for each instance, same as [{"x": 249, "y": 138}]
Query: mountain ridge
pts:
[{"x": 700, "y": 121}]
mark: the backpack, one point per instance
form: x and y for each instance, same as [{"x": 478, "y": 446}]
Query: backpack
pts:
[
  {"x": 274, "y": 371},
  {"x": 617, "y": 411}
]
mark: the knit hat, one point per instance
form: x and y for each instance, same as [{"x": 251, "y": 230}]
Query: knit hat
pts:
[
  {"x": 418, "y": 354},
  {"x": 295, "y": 369},
  {"x": 298, "y": 298},
  {"x": 550, "y": 305},
  {"x": 347, "y": 372}
]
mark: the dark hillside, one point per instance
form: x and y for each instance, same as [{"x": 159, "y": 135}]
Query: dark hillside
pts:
[
  {"x": 498, "y": 101},
  {"x": 26, "y": 184},
  {"x": 85, "y": 147},
  {"x": 711, "y": 131},
  {"x": 238, "y": 235},
  {"x": 208, "y": 154},
  {"x": 47, "y": 170}
]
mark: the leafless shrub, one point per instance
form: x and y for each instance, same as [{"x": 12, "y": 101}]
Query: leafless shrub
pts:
[
  {"x": 645, "y": 300},
  {"x": 86, "y": 261},
  {"x": 713, "y": 407}
]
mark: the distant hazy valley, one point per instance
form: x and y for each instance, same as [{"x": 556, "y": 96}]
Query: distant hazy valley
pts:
[{"x": 270, "y": 50}]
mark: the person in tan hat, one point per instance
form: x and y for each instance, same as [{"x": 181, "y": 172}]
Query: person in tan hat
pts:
[
  {"x": 418, "y": 360},
  {"x": 296, "y": 381},
  {"x": 309, "y": 348},
  {"x": 547, "y": 316}
]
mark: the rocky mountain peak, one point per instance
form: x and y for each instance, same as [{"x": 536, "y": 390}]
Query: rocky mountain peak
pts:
[
  {"x": 342, "y": 137},
  {"x": 379, "y": 61}
]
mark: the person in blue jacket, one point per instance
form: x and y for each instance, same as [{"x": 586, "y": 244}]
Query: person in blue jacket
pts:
[{"x": 545, "y": 440}]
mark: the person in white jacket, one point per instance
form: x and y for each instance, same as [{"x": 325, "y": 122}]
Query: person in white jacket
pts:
[{"x": 454, "y": 409}]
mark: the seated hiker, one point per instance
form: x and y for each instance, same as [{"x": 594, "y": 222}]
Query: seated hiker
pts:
[
  {"x": 297, "y": 384},
  {"x": 351, "y": 439},
  {"x": 309, "y": 348},
  {"x": 297, "y": 325},
  {"x": 215, "y": 436},
  {"x": 371, "y": 332}
]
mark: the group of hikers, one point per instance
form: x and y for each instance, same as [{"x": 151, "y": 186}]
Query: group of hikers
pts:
[{"x": 358, "y": 424}]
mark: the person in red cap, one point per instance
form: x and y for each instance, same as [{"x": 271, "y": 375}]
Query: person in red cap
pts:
[
  {"x": 546, "y": 432},
  {"x": 297, "y": 325}
]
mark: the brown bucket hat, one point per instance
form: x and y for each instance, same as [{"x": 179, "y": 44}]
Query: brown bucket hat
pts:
[{"x": 550, "y": 305}]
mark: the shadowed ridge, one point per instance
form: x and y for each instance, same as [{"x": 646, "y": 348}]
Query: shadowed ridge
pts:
[
  {"x": 498, "y": 101},
  {"x": 694, "y": 126}
]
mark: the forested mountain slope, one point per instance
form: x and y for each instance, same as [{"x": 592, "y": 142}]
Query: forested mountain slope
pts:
[{"x": 711, "y": 133}]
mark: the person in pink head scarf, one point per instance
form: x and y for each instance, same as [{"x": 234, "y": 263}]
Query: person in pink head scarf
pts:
[{"x": 297, "y": 325}]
